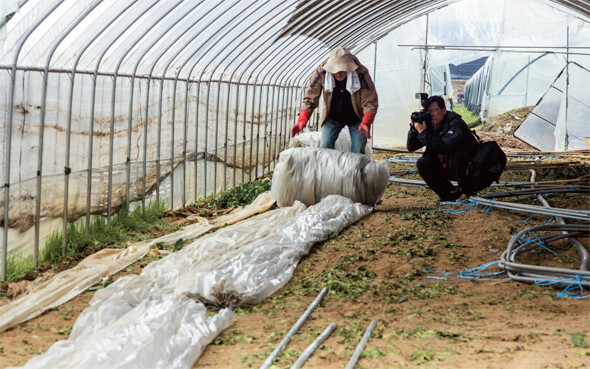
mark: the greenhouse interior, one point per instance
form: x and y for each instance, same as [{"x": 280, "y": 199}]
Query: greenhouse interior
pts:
[{"x": 126, "y": 103}]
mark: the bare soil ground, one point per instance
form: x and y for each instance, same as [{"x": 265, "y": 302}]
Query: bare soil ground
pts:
[{"x": 377, "y": 269}]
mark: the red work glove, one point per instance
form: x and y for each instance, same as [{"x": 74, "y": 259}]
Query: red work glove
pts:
[
  {"x": 301, "y": 122},
  {"x": 365, "y": 126}
]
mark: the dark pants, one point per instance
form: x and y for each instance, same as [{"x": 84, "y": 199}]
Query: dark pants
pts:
[{"x": 438, "y": 178}]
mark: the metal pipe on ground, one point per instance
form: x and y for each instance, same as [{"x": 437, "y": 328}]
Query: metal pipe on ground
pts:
[
  {"x": 314, "y": 345},
  {"x": 577, "y": 244},
  {"x": 540, "y": 190},
  {"x": 360, "y": 347},
  {"x": 565, "y": 213},
  {"x": 294, "y": 329},
  {"x": 535, "y": 273}
]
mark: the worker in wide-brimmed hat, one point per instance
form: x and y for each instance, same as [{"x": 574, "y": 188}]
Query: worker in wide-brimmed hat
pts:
[{"x": 350, "y": 100}]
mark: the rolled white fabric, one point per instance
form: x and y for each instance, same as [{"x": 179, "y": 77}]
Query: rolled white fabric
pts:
[
  {"x": 310, "y": 174},
  {"x": 313, "y": 139}
]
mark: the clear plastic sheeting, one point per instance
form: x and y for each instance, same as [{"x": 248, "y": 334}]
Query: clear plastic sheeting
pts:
[
  {"x": 308, "y": 175},
  {"x": 136, "y": 332},
  {"x": 153, "y": 320},
  {"x": 313, "y": 139},
  {"x": 559, "y": 120},
  {"x": 407, "y": 57},
  {"x": 101, "y": 265}
]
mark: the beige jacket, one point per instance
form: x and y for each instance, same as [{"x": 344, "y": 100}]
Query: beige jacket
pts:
[{"x": 363, "y": 100}]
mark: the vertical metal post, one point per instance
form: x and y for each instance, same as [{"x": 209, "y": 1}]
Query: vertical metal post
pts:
[
  {"x": 145, "y": 144},
  {"x": 236, "y": 134},
  {"x": 90, "y": 151},
  {"x": 184, "y": 144},
  {"x": 40, "y": 164},
  {"x": 425, "y": 65},
  {"x": 197, "y": 137},
  {"x": 129, "y": 129},
  {"x": 171, "y": 137},
  {"x": 244, "y": 129},
  {"x": 279, "y": 126},
  {"x": 206, "y": 137},
  {"x": 7, "y": 167},
  {"x": 111, "y": 149},
  {"x": 252, "y": 130},
  {"x": 258, "y": 130},
  {"x": 216, "y": 136},
  {"x": 226, "y": 140},
  {"x": 264, "y": 130},
  {"x": 375, "y": 83},
  {"x": 567, "y": 86},
  {"x": 282, "y": 110},
  {"x": 159, "y": 142}
]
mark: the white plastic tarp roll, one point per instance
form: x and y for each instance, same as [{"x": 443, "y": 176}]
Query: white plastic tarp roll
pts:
[
  {"x": 308, "y": 175},
  {"x": 313, "y": 139}
]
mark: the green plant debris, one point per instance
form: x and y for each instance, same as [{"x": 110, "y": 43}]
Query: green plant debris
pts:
[
  {"x": 241, "y": 195},
  {"x": 423, "y": 354},
  {"x": 232, "y": 337},
  {"x": 372, "y": 353},
  {"x": 342, "y": 283},
  {"x": 100, "y": 285},
  {"x": 178, "y": 245},
  {"x": 579, "y": 339},
  {"x": 65, "y": 330}
]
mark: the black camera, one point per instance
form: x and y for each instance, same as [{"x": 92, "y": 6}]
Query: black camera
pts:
[{"x": 422, "y": 115}]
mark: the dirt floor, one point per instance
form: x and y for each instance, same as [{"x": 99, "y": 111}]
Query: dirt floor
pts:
[{"x": 389, "y": 266}]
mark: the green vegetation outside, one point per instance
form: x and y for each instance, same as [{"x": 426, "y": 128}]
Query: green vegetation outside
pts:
[{"x": 467, "y": 115}]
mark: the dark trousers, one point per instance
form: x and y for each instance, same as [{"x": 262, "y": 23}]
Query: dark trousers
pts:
[{"x": 438, "y": 178}]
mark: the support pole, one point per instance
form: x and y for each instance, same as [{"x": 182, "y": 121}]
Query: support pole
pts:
[
  {"x": 294, "y": 329},
  {"x": 359, "y": 349},
  {"x": 314, "y": 345}
]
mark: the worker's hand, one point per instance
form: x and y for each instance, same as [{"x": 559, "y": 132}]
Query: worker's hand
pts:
[
  {"x": 420, "y": 126},
  {"x": 301, "y": 122},
  {"x": 365, "y": 126}
]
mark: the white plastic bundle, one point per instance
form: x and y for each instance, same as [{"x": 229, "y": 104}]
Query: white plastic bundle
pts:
[
  {"x": 313, "y": 139},
  {"x": 308, "y": 175}
]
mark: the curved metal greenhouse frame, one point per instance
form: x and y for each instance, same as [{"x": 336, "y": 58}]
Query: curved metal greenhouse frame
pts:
[{"x": 107, "y": 85}]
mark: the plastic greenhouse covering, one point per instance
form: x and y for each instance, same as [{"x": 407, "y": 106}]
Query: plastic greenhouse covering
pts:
[
  {"x": 110, "y": 102},
  {"x": 560, "y": 119}
]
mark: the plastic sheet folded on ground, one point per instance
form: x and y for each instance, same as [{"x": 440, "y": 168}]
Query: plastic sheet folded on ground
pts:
[
  {"x": 101, "y": 265},
  {"x": 309, "y": 174},
  {"x": 125, "y": 333},
  {"x": 154, "y": 319},
  {"x": 313, "y": 139}
]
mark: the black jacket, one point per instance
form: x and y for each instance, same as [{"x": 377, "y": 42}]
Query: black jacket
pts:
[{"x": 448, "y": 137}]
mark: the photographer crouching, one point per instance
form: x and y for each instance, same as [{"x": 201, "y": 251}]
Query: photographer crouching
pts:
[{"x": 450, "y": 145}]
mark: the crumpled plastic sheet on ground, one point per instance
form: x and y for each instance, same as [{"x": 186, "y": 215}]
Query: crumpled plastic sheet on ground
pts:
[
  {"x": 313, "y": 139},
  {"x": 151, "y": 320},
  {"x": 101, "y": 265},
  {"x": 309, "y": 174}
]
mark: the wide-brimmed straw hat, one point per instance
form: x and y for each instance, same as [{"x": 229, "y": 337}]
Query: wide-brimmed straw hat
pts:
[{"x": 340, "y": 60}]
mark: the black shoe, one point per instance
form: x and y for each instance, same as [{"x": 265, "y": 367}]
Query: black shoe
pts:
[{"x": 451, "y": 196}]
